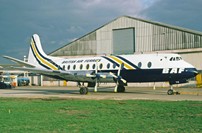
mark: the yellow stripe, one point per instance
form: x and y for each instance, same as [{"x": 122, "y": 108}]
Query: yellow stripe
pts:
[
  {"x": 126, "y": 65},
  {"x": 41, "y": 59}
]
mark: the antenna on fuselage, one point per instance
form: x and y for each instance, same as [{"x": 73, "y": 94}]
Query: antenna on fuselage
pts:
[{"x": 157, "y": 53}]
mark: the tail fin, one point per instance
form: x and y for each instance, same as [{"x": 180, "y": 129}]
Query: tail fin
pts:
[{"x": 38, "y": 57}]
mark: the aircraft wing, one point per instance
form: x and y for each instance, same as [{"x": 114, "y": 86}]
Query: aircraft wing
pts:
[
  {"x": 22, "y": 63},
  {"x": 58, "y": 74},
  {"x": 42, "y": 71},
  {"x": 64, "y": 75}
]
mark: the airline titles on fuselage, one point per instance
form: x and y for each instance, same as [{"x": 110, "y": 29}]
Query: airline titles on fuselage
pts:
[
  {"x": 172, "y": 70},
  {"x": 81, "y": 61}
]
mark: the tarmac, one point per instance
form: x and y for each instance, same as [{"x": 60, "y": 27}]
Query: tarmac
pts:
[{"x": 104, "y": 93}]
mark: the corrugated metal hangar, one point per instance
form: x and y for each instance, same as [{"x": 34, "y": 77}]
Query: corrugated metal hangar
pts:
[{"x": 128, "y": 35}]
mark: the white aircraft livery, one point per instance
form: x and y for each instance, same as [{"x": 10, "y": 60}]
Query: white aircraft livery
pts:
[{"x": 119, "y": 69}]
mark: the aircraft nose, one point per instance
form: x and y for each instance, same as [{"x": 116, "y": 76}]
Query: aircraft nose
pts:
[{"x": 193, "y": 71}]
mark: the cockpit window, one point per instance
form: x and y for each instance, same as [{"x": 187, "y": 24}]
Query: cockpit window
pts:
[
  {"x": 175, "y": 58},
  {"x": 178, "y": 58}
]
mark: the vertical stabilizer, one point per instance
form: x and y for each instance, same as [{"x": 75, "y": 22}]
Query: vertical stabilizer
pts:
[{"x": 38, "y": 57}]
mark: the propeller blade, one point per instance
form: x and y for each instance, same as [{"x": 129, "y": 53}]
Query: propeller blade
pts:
[
  {"x": 113, "y": 75},
  {"x": 90, "y": 76},
  {"x": 120, "y": 68},
  {"x": 118, "y": 77},
  {"x": 96, "y": 76},
  {"x": 119, "y": 71},
  {"x": 122, "y": 65},
  {"x": 96, "y": 68},
  {"x": 103, "y": 76},
  {"x": 115, "y": 89},
  {"x": 123, "y": 80},
  {"x": 96, "y": 84}
]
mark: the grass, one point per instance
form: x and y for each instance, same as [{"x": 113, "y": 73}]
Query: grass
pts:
[{"x": 56, "y": 115}]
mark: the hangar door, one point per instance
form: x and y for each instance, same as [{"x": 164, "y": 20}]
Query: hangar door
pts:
[{"x": 124, "y": 41}]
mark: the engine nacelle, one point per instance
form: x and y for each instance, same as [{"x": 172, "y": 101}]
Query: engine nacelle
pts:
[{"x": 91, "y": 84}]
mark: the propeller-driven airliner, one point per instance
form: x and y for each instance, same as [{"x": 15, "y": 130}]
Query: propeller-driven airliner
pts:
[{"x": 118, "y": 69}]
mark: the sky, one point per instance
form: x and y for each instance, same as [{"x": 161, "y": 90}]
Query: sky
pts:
[{"x": 59, "y": 22}]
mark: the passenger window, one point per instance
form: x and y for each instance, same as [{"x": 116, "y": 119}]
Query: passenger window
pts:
[
  {"x": 68, "y": 67},
  {"x": 81, "y": 66},
  {"x": 93, "y": 66},
  {"x": 139, "y": 64},
  {"x": 114, "y": 65},
  {"x": 101, "y": 66},
  {"x": 74, "y": 67},
  {"x": 87, "y": 66},
  {"x": 63, "y": 67},
  {"x": 108, "y": 66},
  {"x": 149, "y": 64}
]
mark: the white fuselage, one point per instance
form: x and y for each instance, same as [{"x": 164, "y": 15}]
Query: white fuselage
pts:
[{"x": 137, "y": 68}]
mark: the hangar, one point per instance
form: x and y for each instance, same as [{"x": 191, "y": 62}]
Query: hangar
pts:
[{"x": 129, "y": 35}]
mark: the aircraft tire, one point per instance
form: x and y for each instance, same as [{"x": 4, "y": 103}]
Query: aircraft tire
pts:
[
  {"x": 83, "y": 90},
  {"x": 121, "y": 88},
  {"x": 170, "y": 92}
]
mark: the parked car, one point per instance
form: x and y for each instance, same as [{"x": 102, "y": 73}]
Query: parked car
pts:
[
  {"x": 5, "y": 85},
  {"x": 23, "y": 81}
]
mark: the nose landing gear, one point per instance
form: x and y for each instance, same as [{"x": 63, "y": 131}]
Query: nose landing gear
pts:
[{"x": 171, "y": 91}]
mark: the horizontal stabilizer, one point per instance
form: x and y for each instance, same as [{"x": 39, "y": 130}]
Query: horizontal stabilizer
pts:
[{"x": 20, "y": 62}]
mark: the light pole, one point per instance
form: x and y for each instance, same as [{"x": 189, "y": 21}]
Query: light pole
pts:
[{"x": 25, "y": 60}]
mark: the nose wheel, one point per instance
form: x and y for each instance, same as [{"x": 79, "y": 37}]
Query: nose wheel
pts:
[{"x": 171, "y": 91}]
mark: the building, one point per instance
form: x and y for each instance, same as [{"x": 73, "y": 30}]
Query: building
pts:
[{"x": 128, "y": 35}]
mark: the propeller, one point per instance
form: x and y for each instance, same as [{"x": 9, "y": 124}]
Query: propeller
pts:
[
  {"x": 118, "y": 77},
  {"x": 97, "y": 76}
]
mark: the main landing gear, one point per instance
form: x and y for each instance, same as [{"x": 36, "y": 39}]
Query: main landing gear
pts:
[
  {"x": 121, "y": 88},
  {"x": 119, "y": 80},
  {"x": 96, "y": 76},
  {"x": 84, "y": 90}
]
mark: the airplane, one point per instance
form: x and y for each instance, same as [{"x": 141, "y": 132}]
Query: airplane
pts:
[{"x": 118, "y": 69}]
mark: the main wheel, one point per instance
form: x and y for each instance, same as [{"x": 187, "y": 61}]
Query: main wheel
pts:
[
  {"x": 83, "y": 90},
  {"x": 170, "y": 92},
  {"x": 121, "y": 88}
]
